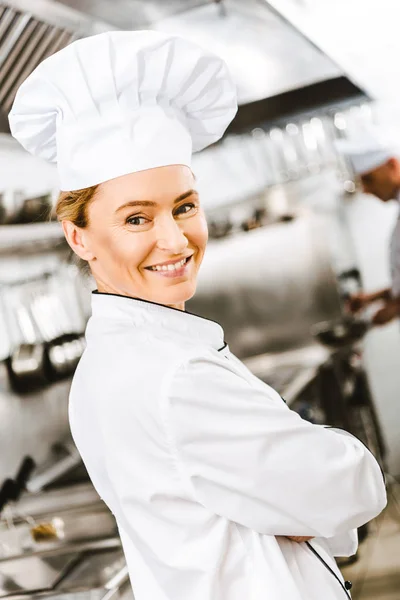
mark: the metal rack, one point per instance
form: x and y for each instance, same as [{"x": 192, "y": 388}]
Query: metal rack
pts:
[{"x": 28, "y": 238}]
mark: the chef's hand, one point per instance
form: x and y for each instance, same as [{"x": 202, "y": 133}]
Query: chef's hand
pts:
[
  {"x": 358, "y": 302},
  {"x": 299, "y": 538},
  {"x": 386, "y": 314}
]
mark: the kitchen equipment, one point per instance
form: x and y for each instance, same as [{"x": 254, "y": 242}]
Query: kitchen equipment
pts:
[
  {"x": 56, "y": 531},
  {"x": 48, "y": 531},
  {"x": 62, "y": 355},
  {"x": 10, "y": 205},
  {"x": 25, "y": 364},
  {"x": 93, "y": 574},
  {"x": 34, "y": 574},
  {"x": 63, "y": 347},
  {"x": 340, "y": 333},
  {"x": 35, "y": 209},
  {"x": 289, "y": 372},
  {"x": 268, "y": 286}
]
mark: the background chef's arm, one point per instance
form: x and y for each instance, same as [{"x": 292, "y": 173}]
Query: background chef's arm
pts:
[
  {"x": 361, "y": 300},
  {"x": 249, "y": 458}
]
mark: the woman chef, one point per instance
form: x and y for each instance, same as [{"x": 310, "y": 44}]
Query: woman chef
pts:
[{"x": 206, "y": 470}]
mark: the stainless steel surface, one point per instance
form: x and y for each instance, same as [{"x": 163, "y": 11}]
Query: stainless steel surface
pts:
[
  {"x": 11, "y": 201},
  {"x": 75, "y": 547},
  {"x": 54, "y": 469},
  {"x": 132, "y": 14},
  {"x": 288, "y": 372},
  {"x": 66, "y": 499},
  {"x": 97, "y": 523},
  {"x": 24, "y": 42},
  {"x": 268, "y": 287},
  {"x": 33, "y": 573},
  {"x": 105, "y": 569},
  {"x": 35, "y": 237},
  {"x": 248, "y": 35},
  {"x": 57, "y": 14},
  {"x": 26, "y": 361},
  {"x": 266, "y": 55},
  {"x": 38, "y": 422}
]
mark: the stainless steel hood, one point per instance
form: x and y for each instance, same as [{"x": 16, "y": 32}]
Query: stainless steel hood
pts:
[
  {"x": 24, "y": 42},
  {"x": 267, "y": 56}
]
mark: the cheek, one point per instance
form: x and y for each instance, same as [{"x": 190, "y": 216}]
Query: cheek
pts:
[
  {"x": 122, "y": 248},
  {"x": 198, "y": 232}
]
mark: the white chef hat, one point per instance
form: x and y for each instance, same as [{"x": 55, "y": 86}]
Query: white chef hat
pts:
[
  {"x": 367, "y": 150},
  {"x": 120, "y": 102}
]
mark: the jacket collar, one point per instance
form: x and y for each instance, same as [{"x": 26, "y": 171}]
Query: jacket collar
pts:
[{"x": 145, "y": 314}]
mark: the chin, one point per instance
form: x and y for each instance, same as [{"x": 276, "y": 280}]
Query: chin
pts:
[{"x": 178, "y": 294}]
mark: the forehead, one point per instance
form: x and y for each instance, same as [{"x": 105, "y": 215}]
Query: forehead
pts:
[{"x": 161, "y": 184}]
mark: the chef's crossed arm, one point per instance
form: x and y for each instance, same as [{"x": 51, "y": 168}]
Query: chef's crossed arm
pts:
[{"x": 251, "y": 459}]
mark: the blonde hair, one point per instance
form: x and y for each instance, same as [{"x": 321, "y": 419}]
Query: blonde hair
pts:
[{"x": 73, "y": 206}]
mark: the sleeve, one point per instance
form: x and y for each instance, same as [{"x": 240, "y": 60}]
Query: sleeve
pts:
[
  {"x": 395, "y": 260},
  {"x": 249, "y": 458},
  {"x": 344, "y": 544}
]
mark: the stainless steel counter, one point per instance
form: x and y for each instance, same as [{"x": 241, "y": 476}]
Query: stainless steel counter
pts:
[{"x": 289, "y": 372}]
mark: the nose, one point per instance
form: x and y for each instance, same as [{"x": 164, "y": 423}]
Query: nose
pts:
[{"x": 170, "y": 236}]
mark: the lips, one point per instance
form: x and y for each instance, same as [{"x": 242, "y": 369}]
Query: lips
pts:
[{"x": 170, "y": 266}]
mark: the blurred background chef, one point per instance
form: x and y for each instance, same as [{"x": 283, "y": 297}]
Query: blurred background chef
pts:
[{"x": 374, "y": 161}]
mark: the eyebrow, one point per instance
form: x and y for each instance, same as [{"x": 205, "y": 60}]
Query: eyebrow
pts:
[{"x": 150, "y": 203}]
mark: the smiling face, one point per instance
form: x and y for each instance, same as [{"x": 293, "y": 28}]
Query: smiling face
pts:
[{"x": 146, "y": 235}]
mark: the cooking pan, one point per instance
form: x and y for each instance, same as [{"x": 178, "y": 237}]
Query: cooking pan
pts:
[
  {"x": 341, "y": 333},
  {"x": 62, "y": 346},
  {"x": 25, "y": 365},
  {"x": 62, "y": 355}
]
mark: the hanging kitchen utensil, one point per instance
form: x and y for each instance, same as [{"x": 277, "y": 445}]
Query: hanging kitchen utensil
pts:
[
  {"x": 63, "y": 346},
  {"x": 62, "y": 355},
  {"x": 35, "y": 209},
  {"x": 25, "y": 365},
  {"x": 10, "y": 206}
]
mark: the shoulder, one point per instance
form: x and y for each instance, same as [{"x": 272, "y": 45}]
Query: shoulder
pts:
[
  {"x": 217, "y": 382},
  {"x": 134, "y": 365}
]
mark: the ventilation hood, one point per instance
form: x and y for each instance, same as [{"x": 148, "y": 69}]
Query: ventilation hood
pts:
[{"x": 277, "y": 69}]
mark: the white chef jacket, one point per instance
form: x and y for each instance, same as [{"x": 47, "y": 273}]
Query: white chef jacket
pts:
[
  {"x": 395, "y": 257},
  {"x": 205, "y": 467}
]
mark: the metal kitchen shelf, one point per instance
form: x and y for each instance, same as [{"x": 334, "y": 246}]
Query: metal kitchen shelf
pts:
[{"x": 32, "y": 237}]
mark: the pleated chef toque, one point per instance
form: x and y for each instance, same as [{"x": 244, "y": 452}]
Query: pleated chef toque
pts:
[
  {"x": 367, "y": 150},
  {"x": 120, "y": 102}
]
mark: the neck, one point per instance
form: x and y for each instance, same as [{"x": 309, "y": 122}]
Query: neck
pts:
[
  {"x": 180, "y": 306},
  {"x": 105, "y": 288}
]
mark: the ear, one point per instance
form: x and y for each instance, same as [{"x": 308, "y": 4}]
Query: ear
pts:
[
  {"x": 78, "y": 240},
  {"x": 393, "y": 163}
]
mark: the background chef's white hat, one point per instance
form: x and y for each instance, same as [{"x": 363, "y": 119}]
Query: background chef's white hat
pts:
[
  {"x": 121, "y": 102},
  {"x": 367, "y": 150}
]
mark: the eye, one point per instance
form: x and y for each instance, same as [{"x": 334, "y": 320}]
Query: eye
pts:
[
  {"x": 186, "y": 208},
  {"x": 136, "y": 220}
]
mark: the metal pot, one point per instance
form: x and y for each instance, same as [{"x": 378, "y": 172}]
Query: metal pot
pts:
[
  {"x": 10, "y": 206},
  {"x": 341, "y": 333},
  {"x": 62, "y": 355},
  {"x": 35, "y": 209},
  {"x": 25, "y": 364}
]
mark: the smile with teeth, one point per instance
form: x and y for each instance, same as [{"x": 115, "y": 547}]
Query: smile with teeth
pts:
[{"x": 173, "y": 267}]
